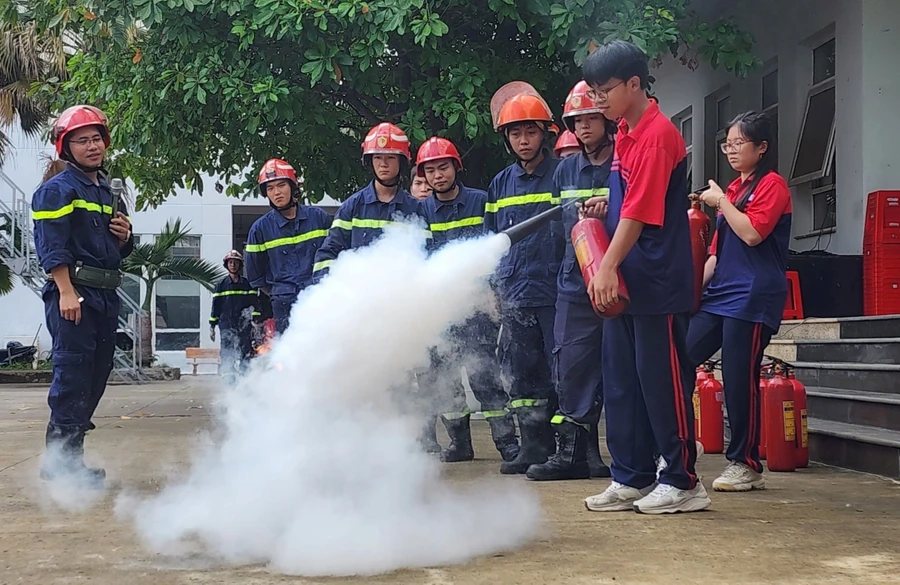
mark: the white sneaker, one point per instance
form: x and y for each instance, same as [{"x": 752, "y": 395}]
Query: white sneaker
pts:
[
  {"x": 666, "y": 499},
  {"x": 739, "y": 477},
  {"x": 617, "y": 498}
]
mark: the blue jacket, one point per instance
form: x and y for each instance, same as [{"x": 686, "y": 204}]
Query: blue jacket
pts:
[
  {"x": 576, "y": 179},
  {"x": 361, "y": 220},
  {"x": 526, "y": 276},
  {"x": 281, "y": 251},
  {"x": 459, "y": 219},
  {"x": 71, "y": 224},
  {"x": 234, "y": 304}
]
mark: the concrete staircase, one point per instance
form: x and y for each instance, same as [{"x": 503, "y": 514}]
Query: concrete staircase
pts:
[{"x": 851, "y": 370}]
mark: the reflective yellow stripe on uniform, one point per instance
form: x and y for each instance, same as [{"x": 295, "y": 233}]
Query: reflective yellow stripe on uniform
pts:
[
  {"x": 457, "y": 415},
  {"x": 226, "y": 293},
  {"x": 584, "y": 193},
  {"x": 67, "y": 209},
  {"x": 528, "y": 402},
  {"x": 494, "y": 413},
  {"x": 322, "y": 265},
  {"x": 520, "y": 200},
  {"x": 452, "y": 225},
  {"x": 262, "y": 247}
]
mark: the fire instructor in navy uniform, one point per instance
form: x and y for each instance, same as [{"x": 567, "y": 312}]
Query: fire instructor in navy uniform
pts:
[{"x": 81, "y": 237}]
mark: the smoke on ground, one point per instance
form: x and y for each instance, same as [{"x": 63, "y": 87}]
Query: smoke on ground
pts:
[{"x": 318, "y": 471}]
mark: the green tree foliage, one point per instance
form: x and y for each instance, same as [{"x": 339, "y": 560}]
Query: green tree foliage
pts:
[{"x": 202, "y": 86}]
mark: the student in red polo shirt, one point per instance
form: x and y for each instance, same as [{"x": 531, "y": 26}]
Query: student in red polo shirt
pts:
[
  {"x": 645, "y": 362},
  {"x": 742, "y": 306}
]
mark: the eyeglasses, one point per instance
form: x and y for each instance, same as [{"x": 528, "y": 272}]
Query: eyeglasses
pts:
[
  {"x": 601, "y": 95},
  {"x": 88, "y": 141},
  {"x": 735, "y": 146}
]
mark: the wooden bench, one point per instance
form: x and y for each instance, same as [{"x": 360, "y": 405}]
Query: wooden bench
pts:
[{"x": 194, "y": 355}]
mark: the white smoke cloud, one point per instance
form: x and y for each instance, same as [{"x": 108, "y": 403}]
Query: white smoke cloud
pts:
[{"x": 318, "y": 471}]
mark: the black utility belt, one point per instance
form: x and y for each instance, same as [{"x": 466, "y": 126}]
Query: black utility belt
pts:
[{"x": 95, "y": 277}]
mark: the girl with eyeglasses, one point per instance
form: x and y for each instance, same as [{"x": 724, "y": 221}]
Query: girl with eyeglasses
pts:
[{"x": 745, "y": 287}]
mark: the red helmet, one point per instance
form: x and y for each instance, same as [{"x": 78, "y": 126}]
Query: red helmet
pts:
[
  {"x": 566, "y": 140},
  {"x": 525, "y": 108},
  {"x": 386, "y": 138},
  {"x": 78, "y": 117},
  {"x": 578, "y": 103},
  {"x": 436, "y": 149},
  {"x": 233, "y": 255},
  {"x": 273, "y": 170}
]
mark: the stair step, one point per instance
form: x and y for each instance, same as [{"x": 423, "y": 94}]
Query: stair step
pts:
[
  {"x": 850, "y": 376},
  {"x": 862, "y": 448},
  {"x": 841, "y": 328},
  {"x": 875, "y": 350},
  {"x": 875, "y": 409}
]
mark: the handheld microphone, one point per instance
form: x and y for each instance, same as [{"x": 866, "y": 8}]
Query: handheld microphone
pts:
[{"x": 117, "y": 188}]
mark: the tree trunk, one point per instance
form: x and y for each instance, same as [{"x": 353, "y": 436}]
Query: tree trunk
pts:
[{"x": 146, "y": 333}]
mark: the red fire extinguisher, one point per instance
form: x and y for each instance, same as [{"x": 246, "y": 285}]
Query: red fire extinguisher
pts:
[
  {"x": 781, "y": 430},
  {"x": 591, "y": 242},
  {"x": 802, "y": 443},
  {"x": 763, "y": 390},
  {"x": 709, "y": 418},
  {"x": 699, "y": 228}
]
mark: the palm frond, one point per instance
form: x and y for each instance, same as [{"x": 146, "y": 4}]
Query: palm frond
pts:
[
  {"x": 196, "y": 269},
  {"x": 6, "y": 279}
]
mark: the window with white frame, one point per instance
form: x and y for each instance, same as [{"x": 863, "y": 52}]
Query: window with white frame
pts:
[
  {"x": 719, "y": 113},
  {"x": 769, "y": 102},
  {"x": 814, "y": 158},
  {"x": 684, "y": 121},
  {"x": 178, "y": 304}
]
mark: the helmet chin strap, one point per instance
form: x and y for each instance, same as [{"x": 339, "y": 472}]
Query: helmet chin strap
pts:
[
  {"x": 67, "y": 156},
  {"x": 394, "y": 183},
  {"x": 603, "y": 144},
  {"x": 293, "y": 202}
]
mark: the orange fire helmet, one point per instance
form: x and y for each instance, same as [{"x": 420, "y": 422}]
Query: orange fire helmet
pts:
[
  {"x": 436, "y": 148},
  {"x": 577, "y": 104},
  {"x": 78, "y": 117},
  {"x": 525, "y": 108},
  {"x": 386, "y": 138},
  {"x": 273, "y": 170},
  {"x": 566, "y": 140}
]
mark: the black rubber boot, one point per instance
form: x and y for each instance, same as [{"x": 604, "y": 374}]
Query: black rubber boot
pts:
[
  {"x": 569, "y": 461},
  {"x": 460, "y": 448},
  {"x": 594, "y": 459},
  {"x": 503, "y": 431},
  {"x": 428, "y": 438},
  {"x": 534, "y": 424},
  {"x": 65, "y": 458}
]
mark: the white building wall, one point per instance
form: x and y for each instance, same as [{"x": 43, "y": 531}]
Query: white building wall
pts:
[{"x": 867, "y": 36}]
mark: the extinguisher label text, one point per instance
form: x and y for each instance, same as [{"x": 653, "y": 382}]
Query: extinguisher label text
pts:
[
  {"x": 790, "y": 429},
  {"x": 804, "y": 429},
  {"x": 582, "y": 252},
  {"x": 697, "y": 410}
]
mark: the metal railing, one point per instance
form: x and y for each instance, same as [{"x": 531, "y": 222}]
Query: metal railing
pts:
[{"x": 17, "y": 251}]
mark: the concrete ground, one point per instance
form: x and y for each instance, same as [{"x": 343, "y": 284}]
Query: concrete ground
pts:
[{"x": 817, "y": 526}]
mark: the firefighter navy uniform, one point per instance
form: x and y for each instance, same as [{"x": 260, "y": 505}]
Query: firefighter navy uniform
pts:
[
  {"x": 361, "y": 220},
  {"x": 526, "y": 283},
  {"x": 280, "y": 254},
  {"x": 71, "y": 227},
  {"x": 234, "y": 306},
  {"x": 462, "y": 218}
]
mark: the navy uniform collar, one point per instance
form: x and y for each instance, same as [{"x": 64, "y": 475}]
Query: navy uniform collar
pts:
[
  {"x": 282, "y": 221},
  {"x": 541, "y": 170},
  {"x": 83, "y": 178},
  {"x": 456, "y": 201},
  {"x": 370, "y": 196}
]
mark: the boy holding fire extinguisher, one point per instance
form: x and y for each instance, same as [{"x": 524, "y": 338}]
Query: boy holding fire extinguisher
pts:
[
  {"x": 645, "y": 361},
  {"x": 577, "y": 330},
  {"x": 746, "y": 287}
]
